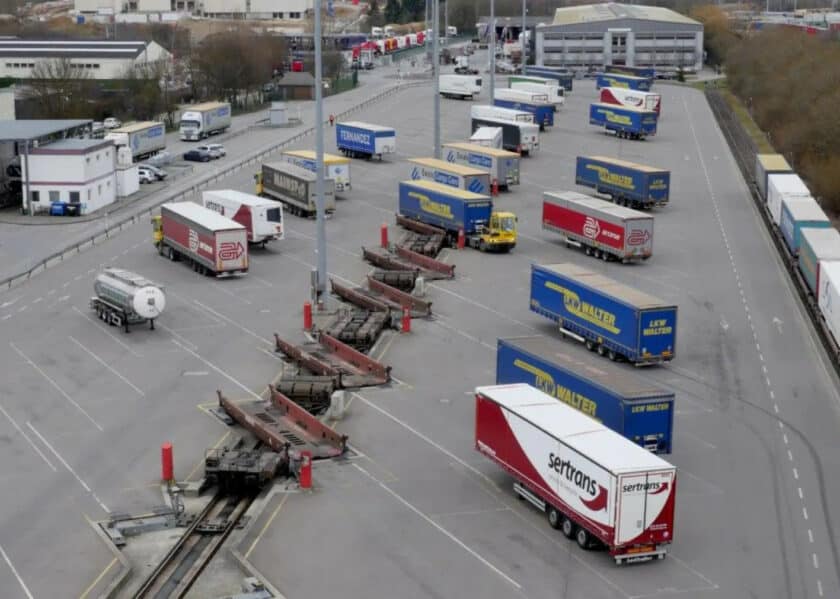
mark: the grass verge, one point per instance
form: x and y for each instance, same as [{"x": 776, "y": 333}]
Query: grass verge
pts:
[{"x": 750, "y": 126}]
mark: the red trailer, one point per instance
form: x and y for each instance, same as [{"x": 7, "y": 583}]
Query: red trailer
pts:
[
  {"x": 211, "y": 243},
  {"x": 601, "y": 228}
]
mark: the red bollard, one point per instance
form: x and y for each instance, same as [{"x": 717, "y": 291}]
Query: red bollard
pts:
[
  {"x": 383, "y": 236},
  {"x": 305, "y": 476},
  {"x": 462, "y": 239},
  {"x": 406, "y": 320},
  {"x": 307, "y": 316},
  {"x": 494, "y": 189},
  {"x": 167, "y": 469}
]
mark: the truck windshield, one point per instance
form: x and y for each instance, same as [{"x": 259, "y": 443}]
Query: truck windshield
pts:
[
  {"x": 507, "y": 224},
  {"x": 190, "y": 124},
  {"x": 272, "y": 215}
]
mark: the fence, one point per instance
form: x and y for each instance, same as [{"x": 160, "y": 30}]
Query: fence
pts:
[
  {"x": 184, "y": 193},
  {"x": 744, "y": 150}
]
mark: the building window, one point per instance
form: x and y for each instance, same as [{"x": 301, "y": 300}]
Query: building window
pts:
[
  {"x": 99, "y": 189},
  {"x": 87, "y": 159},
  {"x": 55, "y": 196},
  {"x": 294, "y": 15},
  {"x": 88, "y": 196},
  {"x": 35, "y": 196},
  {"x": 96, "y": 66},
  {"x": 74, "y": 197}
]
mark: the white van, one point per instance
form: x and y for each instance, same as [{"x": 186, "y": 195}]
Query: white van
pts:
[{"x": 460, "y": 86}]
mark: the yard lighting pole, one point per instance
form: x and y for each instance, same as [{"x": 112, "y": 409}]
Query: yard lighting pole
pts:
[
  {"x": 492, "y": 49},
  {"x": 436, "y": 72},
  {"x": 321, "y": 283},
  {"x": 524, "y": 38}
]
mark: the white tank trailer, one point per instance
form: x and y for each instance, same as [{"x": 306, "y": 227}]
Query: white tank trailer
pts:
[{"x": 123, "y": 298}]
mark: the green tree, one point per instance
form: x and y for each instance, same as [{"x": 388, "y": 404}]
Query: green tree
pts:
[
  {"x": 393, "y": 11},
  {"x": 375, "y": 18},
  {"x": 413, "y": 10},
  {"x": 60, "y": 89}
]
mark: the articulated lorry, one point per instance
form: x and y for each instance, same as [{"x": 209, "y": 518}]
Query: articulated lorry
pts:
[
  {"x": 211, "y": 243},
  {"x": 365, "y": 140},
  {"x": 294, "y": 187},
  {"x": 630, "y": 123},
  {"x": 143, "y": 139},
  {"x": 261, "y": 217},
  {"x": 525, "y": 101},
  {"x": 336, "y": 168},
  {"x": 633, "y": 98},
  {"x": 465, "y": 87},
  {"x": 563, "y": 77},
  {"x": 616, "y": 320},
  {"x": 124, "y": 298},
  {"x": 593, "y": 484},
  {"x": 627, "y": 183},
  {"x": 490, "y": 137},
  {"x": 520, "y": 137},
  {"x": 599, "y": 227},
  {"x": 502, "y": 165},
  {"x": 469, "y": 178},
  {"x": 455, "y": 210},
  {"x": 553, "y": 92},
  {"x": 634, "y": 408},
  {"x": 642, "y": 84},
  {"x": 202, "y": 120}
]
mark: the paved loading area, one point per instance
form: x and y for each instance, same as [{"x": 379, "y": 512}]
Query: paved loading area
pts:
[{"x": 85, "y": 407}]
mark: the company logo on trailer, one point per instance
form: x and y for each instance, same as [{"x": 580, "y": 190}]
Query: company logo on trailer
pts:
[
  {"x": 476, "y": 186},
  {"x": 649, "y": 488},
  {"x": 591, "y": 228},
  {"x": 355, "y": 137},
  {"x": 193, "y": 241},
  {"x": 596, "y": 499},
  {"x": 230, "y": 250},
  {"x": 638, "y": 237},
  {"x": 450, "y": 156},
  {"x": 215, "y": 206},
  {"x": 415, "y": 173},
  {"x": 584, "y": 310}
]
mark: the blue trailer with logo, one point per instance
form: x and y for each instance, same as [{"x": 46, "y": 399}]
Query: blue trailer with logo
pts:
[
  {"x": 627, "y": 183},
  {"x": 476, "y": 180},
  {"x": 563, "y": 77},
  {"x": 642, "y": 84},
  {"x": 608, "y": 317},
  {"x": 634, "y": 408},
  {"x": 625, "y": 121},
  {"x": 502, "y": 165},
  {"x": 524, "y": 101},
  {"x": 646, "y": 72},
  {"x": 365, "y": 140}
]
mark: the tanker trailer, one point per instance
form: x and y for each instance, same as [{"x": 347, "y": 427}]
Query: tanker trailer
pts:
[{"x": 123, "y": 298}]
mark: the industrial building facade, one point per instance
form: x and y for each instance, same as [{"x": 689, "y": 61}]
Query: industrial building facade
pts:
[
  {"x": 596, "y": 35},
  {"x": 170, "y": 10}
]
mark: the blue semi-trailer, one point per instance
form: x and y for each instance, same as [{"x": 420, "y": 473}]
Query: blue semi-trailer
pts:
[
  {"x": 631, "y": 123},
  {"x": 613, "y": 319},
  {"x": 624, "y": 402},
  {"x": 364, "y": 140},
  {"x": 627, "y": 183}
]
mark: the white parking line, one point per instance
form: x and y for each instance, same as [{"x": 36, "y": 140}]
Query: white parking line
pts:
[
  {"x": 111, "y": 335},
  {"x": 108, "y": 366},
  {"x": 28, "y": 440},
  {"x": 56, "y": 386},
  {"x": 217, "y": 369},
  {"x": 440, "y": 528},
  {"x": 232, "y": 322},
  {"x": 15, "y": 572},
  {"x": 66, "y": 465},
  {"x": 482, "y": 306}
]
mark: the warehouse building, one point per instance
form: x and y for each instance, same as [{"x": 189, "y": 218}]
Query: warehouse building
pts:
[
  {"x": 596, "y": 35},
  {"x": 97, "y": 59},
  {"x": 222, "y": 9}
]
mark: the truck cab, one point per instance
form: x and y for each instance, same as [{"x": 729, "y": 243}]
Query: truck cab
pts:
[
  {"x": 258, "y": 184},
  {"x": 157, "y": 230},
  {"x": 500, "y": 233}
]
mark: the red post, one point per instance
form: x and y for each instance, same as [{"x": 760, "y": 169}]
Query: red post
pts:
[
  {"x": 462, "y": 239},
  {"x": 494, "y": 189},
  {"x": 307, "y": 316},
  {"x": 305, "y": 476},
  {"x": 167, "y": 469},
  {"x": 406, "y": 320},
  {"x": 383, "y": 235}
]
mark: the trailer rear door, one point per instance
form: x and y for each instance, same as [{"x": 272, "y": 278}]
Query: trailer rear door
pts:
[
  {"x": 645, "y": 510},
  {"x": 232, "y": 250}
]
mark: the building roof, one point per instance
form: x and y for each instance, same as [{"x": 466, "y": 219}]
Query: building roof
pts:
[
  {"x": 12, "y": 48},
  {"x": 296, "y": 78},
  {"x": 72, "y": 146},
  {"x": 611, "y": 11},
  {"x": 516, "y": 22},
  {"x": 21, "y": 130}
]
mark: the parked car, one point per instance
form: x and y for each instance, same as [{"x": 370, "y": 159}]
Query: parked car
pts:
[
  {"x": 145, "y": 176},
  {"x": 211, "y": 149},
  {"x": 162, "y": 158},
  {"x": 112, "y": 123},
  {"x": 217, "y": 148},
  {"x": 197, "y": 155},
  {"x": 157, "y": 173}
]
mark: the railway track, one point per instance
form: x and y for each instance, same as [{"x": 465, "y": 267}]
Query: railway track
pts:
[{"x": 180, "y": 568}]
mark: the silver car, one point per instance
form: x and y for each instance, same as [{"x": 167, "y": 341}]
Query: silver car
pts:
[{"x": 211, "y": 149}]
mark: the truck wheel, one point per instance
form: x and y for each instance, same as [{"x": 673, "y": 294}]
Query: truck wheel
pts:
[
  {"x": 170, "y": 253},
  {"x": 605, "y": 256},
  {"x": 589, "y": 345},
  {"x": 588, "y": 251},
  {"x": 582, "y": 538},
  {"x": 612, "y": 355},
  {"x": 568, "y": 528},
  {"x": 601, "y": 350},
  {"x": 555, "y": 518},
  {"x": 482, "y": 246}
]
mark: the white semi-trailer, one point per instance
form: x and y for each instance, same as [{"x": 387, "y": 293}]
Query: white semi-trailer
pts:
[
  {"x": 202, "y": 120},
  {"x": 123, "y": 298}
]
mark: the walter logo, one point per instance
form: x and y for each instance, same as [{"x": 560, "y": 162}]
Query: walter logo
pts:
[
  {"x": 193, "y": 241},
  {"x": 638, "y": 237},
  {"x": 595, "y": 498},
  {"x": 230, "y": 250},
  {"x": 475, "y": 186},
  {"x": 591, "y": 228},
  {"x": 415, "y": 173}
]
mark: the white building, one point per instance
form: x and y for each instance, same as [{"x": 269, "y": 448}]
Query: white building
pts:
[
  {"x": 76, "y": 171},
  {"x": 595, "y": 35},
  {"x": 222, "y": 9},
  {"x": 96, "y": 58}
]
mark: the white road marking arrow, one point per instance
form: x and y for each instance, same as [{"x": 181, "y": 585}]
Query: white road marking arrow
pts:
[{"x": 778, "y": 322}]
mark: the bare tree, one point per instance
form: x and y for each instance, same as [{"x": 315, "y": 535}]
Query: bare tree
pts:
[{"x": 61, "y": 89}]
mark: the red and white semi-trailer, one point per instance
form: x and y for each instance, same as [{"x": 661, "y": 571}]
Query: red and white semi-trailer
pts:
[
  {"x": 632, "y": 98},
  {"x": 263, "y": 218},
  {"x": 593, "y": 484},
  {"x": 211, "y": 243}
]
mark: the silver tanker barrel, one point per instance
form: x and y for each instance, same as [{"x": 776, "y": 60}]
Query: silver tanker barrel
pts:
[{"x": 124, "y": 298}]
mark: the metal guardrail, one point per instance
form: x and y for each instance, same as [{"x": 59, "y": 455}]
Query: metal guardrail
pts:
[
  {"x": 201, "y": 183},
  {"x": 744, "y": 150}
]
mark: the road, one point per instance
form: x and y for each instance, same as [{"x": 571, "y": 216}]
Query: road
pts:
[{"x": 85, "y": 407}]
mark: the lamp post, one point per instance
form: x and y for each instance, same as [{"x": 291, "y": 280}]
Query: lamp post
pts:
[
  {"x": 321, "y": 282},
  {"x": 436, "y": 72},
  {"x": 492, "y": 50}
]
